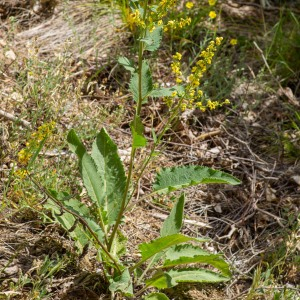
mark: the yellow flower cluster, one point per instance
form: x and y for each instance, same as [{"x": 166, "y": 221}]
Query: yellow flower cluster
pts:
[
  {"x": 177, "y": 24},
  {"x": 21, "y": 173},
  {"x": 135, "y": 18},
  {"x": 154, "y": 19},
  {"x": 212, "y": 2},
  {"x": 176, "y": 67},
  {"x": 193, "y": 95},
  {"x": 189, "y": 5},
  {"x": 36, "y": 138}
]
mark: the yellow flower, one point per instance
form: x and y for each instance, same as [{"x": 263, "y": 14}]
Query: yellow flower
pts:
[
  {"x": 177, "y": 56},
  {"x": 212, "y": 2},
  {"x": 189, "y": 5},
  {"x": 21, "y": 173},
  {"x": 218, "y": 41},
  {"x": 212, "y": 14},
  {"x": 233, "y": 42}
]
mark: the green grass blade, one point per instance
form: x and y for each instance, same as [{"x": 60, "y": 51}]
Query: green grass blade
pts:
[{"x": 171, "y": 179}]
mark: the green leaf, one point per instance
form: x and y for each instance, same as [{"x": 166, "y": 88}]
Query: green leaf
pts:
[
  {"x": 156, "y": 296},
  {"x": 128, "y": 64},
  {"x": 111, "y": 172},
  {"x": 166, "y": 92},
  {"x": 173, "y": 223},
  {"x": 163, "y": 280},
  {"x": 68, "y": 221},
  {"x": 147, "y": 85},
  {"x": 163, "y": 243},
  {"x": 187, "y": 254},
  {"x": 122, "y": 283},
  {"x": 118, "y": 247},
  {"x": 137, "y": 129},
  {"x": 87, "y": 167},
  {"x": 153, "y": 39},
  {"x": 171, "y": 179}
]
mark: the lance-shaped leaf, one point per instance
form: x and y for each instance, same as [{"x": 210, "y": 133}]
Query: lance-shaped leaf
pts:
[
  {"x": 187, "y": 254},
  {"x": 166, "y": 92},
  {"x": 122, "y": 283},
  {"x": 173, "y": 222},
  {"x": 126, "y": 63},
  {"x": 146, "y": 83},
  {"x": 137, "y": 129},
  {"x": 163, "y": 280},
  {"x": 87, "y": 167},
  {"x": 111, "y": 172},
  {"x": 171, "y": 179}
]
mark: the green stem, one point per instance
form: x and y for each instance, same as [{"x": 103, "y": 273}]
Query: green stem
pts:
[
  {"x": 125, "y": 199},
  {"x": 170, "y": 120}
]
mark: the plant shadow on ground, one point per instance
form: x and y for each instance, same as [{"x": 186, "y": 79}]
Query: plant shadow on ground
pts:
[{"x": 257, "y": 140}]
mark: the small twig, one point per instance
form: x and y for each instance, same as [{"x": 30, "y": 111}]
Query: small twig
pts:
[
  {"x": 278, "y": 219},
  {"x": 229, "y": 235},
  {"x": 206, "y": 135},
  {"x": 11, "y": 117}
]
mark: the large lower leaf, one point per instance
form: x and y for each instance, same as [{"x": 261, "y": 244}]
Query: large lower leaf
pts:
[
  {"x": 78, "y": 233},
  {"x": 111, "y": 173},
  {"x": 163, "y": 243},
  {"x": 87, "y": 166},
  {"x": 163, "y": 280},
  {"x": 171, "y": 179},
  {"x": 188, "y": 254}
]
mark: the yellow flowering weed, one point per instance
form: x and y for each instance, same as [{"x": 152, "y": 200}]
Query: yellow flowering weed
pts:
[
  {"x": 212, "y": 14},
  {"x": 189, "y": 5},
  {"x": 233, "y": 42}
]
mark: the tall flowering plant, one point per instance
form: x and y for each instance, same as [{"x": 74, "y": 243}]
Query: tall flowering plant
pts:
[{"x": 170, "y": 259}]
